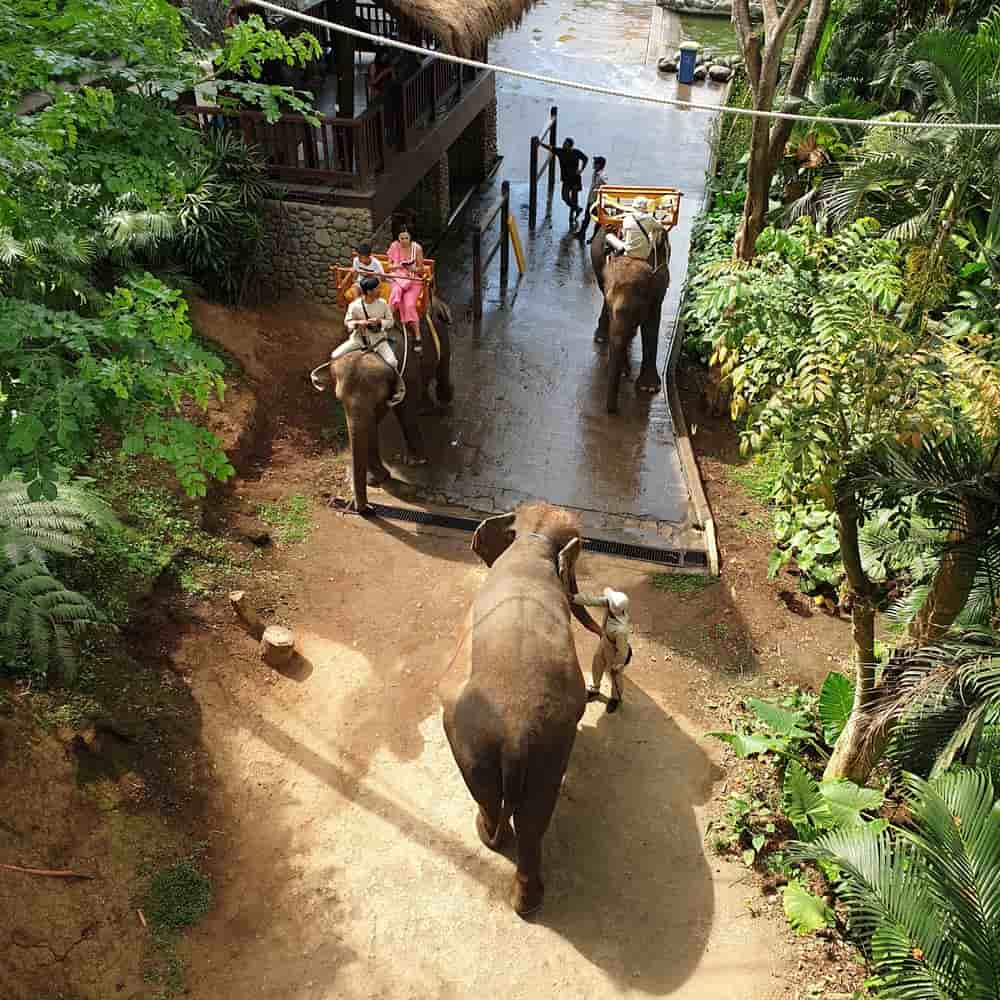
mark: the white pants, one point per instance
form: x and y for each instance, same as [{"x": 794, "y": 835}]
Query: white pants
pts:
[
  {"x": 358, "y": 342},
  {"x": 604, "y": 659}
]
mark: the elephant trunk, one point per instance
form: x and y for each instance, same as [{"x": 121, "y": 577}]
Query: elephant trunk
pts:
[
  {"x": 360, "y": 426},
  {"x": 616, "y": 362}
]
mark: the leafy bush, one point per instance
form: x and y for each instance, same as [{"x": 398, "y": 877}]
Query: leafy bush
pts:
[{"x": 926, "y": 900}]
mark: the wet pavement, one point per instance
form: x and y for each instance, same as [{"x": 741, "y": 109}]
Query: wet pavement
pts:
[{"x": 529, "y": 419}]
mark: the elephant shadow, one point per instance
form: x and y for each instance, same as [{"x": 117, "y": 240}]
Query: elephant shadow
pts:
[{"x": 628, "y": 883}]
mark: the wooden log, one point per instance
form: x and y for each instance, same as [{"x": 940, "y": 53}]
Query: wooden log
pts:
[
  {"x": 246, "y": 614},
  {"x": 276, "y": 646}
]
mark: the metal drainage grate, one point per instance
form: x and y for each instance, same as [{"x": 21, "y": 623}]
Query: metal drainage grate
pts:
[{"x": 687, "y": 558}]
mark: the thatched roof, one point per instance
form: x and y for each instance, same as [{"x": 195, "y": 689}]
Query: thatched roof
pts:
[{"x": 460, "y": 26}]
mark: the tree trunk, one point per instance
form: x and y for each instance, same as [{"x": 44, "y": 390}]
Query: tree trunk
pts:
[
  {"x": 759, "y": 173},
  {"x": 767, "y": 143},
  {"x": 862, "y": 742},
  {"x": 951, "y": 585}
]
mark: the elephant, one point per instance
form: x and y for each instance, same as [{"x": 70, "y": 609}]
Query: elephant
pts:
[
  {"x": 364, "y": 385},
  {"x": 514, "y": 692},
  {"x": 633, "y": 293}
]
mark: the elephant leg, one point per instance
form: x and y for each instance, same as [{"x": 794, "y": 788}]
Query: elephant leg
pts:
[
  {"x": 406, "y": 414},
  {"x": 531, "y": 820},
  {"x": 615, "y": 364},
  {"x": 601, "y": 333},
  {"x": 649, "y": 377},
  {"x": 485, "y": 786},
  {"x": 445, "y": 390},
  {"x": 361, "y": 428}
]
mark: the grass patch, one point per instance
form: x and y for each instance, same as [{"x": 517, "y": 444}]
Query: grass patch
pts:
[
  {"x": 178, "y": 897},
  {"x": 759, "y": 477},
  {"x": 291, "y": 518},
  {"x": 681, "y": 583}
]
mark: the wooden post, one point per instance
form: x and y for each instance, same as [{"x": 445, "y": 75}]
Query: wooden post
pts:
[
  {"x": 554, "y": 115},
  {"x": 433, "y": 69},
  {"x": 344, "y": 55},
  {"x": 504, "y": 234},
  {"x": 477, "y": 268},
  {"x": 246, "y": 614},
  {"x": 533, "y": 184}
]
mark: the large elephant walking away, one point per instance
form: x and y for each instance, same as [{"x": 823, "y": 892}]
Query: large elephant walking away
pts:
[
  {"x": 364, "y": 384},
  {"x": 514, "y": 691},
  {"x": 633, "y": 293}
]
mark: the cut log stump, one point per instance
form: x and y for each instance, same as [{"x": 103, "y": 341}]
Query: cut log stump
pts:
[
  {"x": 276, "y": 646},
  {"x": 246, "y": 613}
]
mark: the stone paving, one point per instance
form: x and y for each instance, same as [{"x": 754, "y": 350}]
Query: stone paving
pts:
[{"x": 528, "y": 418}]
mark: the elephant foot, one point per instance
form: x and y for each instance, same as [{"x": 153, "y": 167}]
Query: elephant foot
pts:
[
  {"x": 600, "y": 338},
  {"x": 495, "y": 841},
  {"x": 593, "y": 694},
  {"x": 445, "y": 393},
  {"x": 378, "y": 476},
  {"x": 415, "y": 460},
  {"x": 352, "y": 506},
  {"x": 648, "y": 382},
  {"x": 527, "y": 895},
  {"x": 613, "y": 704}
]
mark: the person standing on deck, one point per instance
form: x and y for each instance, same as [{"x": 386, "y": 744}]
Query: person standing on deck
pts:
[
  {"x": 572, "y": 163},
  {"x": 597, "y": 181}
]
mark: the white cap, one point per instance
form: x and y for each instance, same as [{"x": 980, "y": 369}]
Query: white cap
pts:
[
  {"x": 617, "y": 602},
  {"x": 640, "y": 204}
]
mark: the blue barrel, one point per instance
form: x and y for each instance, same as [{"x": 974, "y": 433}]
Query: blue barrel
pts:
[{"x": 689, "y": 59}]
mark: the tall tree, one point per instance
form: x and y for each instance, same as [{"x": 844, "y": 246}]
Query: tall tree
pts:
[{"x": 762, "y": 51}]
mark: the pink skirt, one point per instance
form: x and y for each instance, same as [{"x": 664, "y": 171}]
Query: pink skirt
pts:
[{"x": 403, "y": 299}]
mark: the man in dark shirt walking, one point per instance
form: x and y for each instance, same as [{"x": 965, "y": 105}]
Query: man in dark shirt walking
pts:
[{"x": 571, "y": 166}]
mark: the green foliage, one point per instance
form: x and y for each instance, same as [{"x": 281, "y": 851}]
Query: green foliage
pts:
[
  {"x": 807, "y": 534},
  {"x": 291, "y": 516},
  {"x": 681, "y": 583},
  {"x": 927, "y": 899},
  {"x": 783, "y": 730},
  {"x": 836, "y": 699},
  {"x": 746, "y": 826},
  {"x": 805, "y": 911},
  {"x": 40, "y": 618},
  {"x": 179, "y": 896},
  {"x": 130, "y": 368}
]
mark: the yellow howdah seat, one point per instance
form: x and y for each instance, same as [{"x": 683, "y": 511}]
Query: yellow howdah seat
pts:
[
  {"x": 347, "y": 290},
  {"x": 613, "y": 202}
]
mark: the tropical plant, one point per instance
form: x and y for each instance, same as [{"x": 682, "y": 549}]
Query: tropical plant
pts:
[
  {"x": 925, "y": 183},
  {"x": 39, "y": 617},
  {"x": 926, "y": 899}
]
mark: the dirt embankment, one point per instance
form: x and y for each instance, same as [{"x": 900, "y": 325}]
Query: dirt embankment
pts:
[{"x": 338, "y": 834}]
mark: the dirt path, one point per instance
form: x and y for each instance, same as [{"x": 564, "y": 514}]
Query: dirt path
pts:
[
  {"x": 345, "y": 857},
  {"x": 351, "y": 867}
]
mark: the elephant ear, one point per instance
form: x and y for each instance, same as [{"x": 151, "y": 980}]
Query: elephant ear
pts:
[
  {"x": 567, "y": 565},
  {"x": 567, "y": 573},
  {"x": 493, "y": 536}
]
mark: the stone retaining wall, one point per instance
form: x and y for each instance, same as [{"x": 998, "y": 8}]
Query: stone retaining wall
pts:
[{"x": 301, "y": 241}]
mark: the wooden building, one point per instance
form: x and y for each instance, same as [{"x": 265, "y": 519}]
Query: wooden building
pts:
[{"x": 411, "y": 150}]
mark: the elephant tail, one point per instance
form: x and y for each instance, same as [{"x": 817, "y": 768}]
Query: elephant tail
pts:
[{"x": 513, "y": 776}]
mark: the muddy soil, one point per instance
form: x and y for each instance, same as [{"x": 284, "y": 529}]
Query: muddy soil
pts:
[{"x": 339, "y": 834}]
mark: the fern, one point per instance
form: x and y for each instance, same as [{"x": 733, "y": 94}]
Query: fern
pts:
[{"x": 39, "y": 617}]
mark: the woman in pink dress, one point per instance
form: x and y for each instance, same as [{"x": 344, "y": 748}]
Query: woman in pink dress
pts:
[{"x": 407, "y": 258}]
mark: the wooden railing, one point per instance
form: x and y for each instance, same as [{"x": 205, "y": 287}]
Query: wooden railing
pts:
[
  {"x": 341, "y": 151},
  {"x": 345, "y": 152}
]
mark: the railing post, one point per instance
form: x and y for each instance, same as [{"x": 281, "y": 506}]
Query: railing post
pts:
[
  {"x": 504, "y": 233},
  {"x": 533, "y": 184},
  {"x": 554, "y": 116},
  {"x": 359, "y": 144},
  {"x": 433, "y": 75},
  {"x": 477, "y": 268}
]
